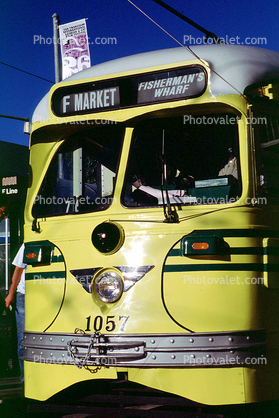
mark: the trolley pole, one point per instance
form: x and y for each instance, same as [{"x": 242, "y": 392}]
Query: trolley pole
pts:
[{"x": 57, "y": 61}]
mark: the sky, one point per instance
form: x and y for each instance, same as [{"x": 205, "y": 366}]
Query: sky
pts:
[{"x": 26, "y": 32}]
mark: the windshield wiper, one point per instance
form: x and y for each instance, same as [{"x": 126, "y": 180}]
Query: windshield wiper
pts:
[{"x": 171, "y": 216}]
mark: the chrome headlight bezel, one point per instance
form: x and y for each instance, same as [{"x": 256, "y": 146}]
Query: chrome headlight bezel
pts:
[{"x": 108, "y": 285}]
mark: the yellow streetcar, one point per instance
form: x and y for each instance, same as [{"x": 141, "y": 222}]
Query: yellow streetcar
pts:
[{"x": 152, "y": 227}]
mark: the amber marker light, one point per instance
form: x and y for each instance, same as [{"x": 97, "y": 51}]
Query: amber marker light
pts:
[
  {"x": 200, "y": 246},
  {"x": 31, "y": 256},
  {"x": 37, "y": 254},
  {"x": 195, "y": 244}
]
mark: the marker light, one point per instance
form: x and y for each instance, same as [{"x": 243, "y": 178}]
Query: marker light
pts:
[
  {"x": 196, "y": 244},
  {"x": 35, "y": 254},
  {"x": 31, "y": 256},
  {"x": 200, "y": 246},
  {"x": 108, "y": 237},
  {"x": 108, "y": 286}
]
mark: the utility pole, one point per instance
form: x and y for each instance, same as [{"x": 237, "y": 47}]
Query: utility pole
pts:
[{"x": 56, "y": 45}]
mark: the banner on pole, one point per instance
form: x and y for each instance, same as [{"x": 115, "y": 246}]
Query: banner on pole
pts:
[{"x": 74, "y": 47}]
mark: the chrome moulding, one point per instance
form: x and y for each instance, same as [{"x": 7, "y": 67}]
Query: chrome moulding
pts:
[{"x": 238, "y": 348}]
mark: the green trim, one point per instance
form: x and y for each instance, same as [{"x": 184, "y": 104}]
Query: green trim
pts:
[
  {"x": 50, "y": 275},
  {"x": 175, "y": 252},
  {"x": 222, "y": 267},
  {"x": 240, "y": 233}
]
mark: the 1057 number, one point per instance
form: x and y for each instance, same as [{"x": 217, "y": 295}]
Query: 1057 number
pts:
[{"x": 107, "y": 323}]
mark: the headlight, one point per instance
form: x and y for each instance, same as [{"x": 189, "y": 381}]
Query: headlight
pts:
[{"x": 108, "y": 286}]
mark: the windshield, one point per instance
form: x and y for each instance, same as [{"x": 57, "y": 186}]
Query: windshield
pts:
[
  {"x": 81, "y": 176},
  {"x": 194, "y": 159}
]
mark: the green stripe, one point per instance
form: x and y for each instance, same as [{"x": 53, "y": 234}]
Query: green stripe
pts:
[
  {"x": 45, "y": 275},
  {"x": 174, "y": 253},
  {"x": 271, "y": 251},
  {"x": 240, "y": 233},
  {"x": 57, "y": 259},
  {"x": 221, "y": 267},
  {"x": 236, "y": 251}
]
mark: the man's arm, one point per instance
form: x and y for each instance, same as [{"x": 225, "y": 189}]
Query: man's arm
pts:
[{"x": 15, "y": 281}]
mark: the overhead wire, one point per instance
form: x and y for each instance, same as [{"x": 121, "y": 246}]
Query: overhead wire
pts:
[
  {"x": 188, "y": 48},
  {"x": 26, "y": 72},
  {"x": 191, "y": 22}
]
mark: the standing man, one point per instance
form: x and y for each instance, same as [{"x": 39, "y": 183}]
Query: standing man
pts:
[{"x": 18, "y": 284}]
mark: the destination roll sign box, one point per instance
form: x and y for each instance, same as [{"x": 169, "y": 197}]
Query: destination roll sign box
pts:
[{"x": 177, "y": 84}]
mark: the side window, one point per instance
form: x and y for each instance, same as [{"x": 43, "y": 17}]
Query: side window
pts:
[{"x": 267, "y": 138}]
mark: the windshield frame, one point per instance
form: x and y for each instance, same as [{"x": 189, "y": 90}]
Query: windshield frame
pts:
[
  {"x": 222, "y": 115},
  {"x": 51, "y": 201}
]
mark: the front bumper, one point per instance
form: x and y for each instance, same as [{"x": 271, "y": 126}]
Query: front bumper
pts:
[{"x": 238, "y": 348}]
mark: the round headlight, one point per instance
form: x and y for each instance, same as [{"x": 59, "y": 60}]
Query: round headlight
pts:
[{"x": 108, "y": 286}]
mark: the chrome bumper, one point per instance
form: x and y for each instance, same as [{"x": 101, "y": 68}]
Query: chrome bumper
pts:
[{"x": 238, "y": 348}]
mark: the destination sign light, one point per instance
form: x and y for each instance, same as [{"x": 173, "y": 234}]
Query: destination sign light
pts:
[{"x": 86, "y": 98}]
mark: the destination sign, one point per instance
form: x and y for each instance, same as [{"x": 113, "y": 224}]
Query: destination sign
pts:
[
  {"x": 181, "y": 83},
  {"x": 90, "y": 101},
  {"x": 178, "y": 84}
]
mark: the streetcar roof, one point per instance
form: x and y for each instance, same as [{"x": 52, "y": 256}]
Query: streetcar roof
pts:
[{"x": 234, "y": 67}]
